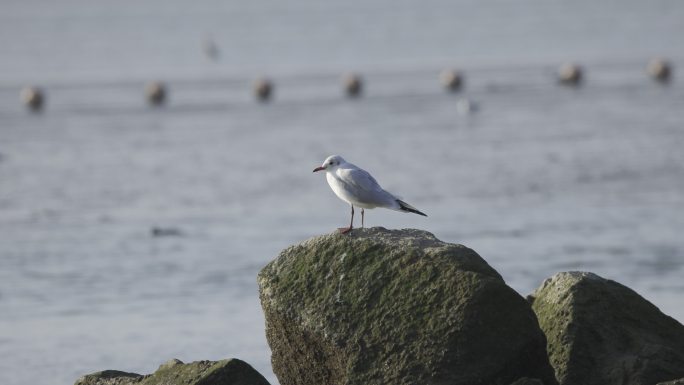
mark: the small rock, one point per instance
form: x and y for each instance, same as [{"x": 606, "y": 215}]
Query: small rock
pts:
[
  {"x": 602, "y": 333},
  {"x": 170, "y": 364},
  {"x": 174, "y": 372},
  {"x": 109, "y": 377}
]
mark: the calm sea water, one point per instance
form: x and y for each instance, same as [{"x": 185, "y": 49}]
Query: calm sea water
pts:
[{"x": 539, "y": 179}]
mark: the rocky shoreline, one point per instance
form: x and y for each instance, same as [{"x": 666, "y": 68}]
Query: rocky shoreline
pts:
[{"x": 384, "y": 306}]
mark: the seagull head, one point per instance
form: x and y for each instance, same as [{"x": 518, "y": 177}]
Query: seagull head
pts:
[{"x": 330, "y": 163}]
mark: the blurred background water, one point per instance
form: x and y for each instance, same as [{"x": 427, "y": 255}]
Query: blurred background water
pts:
[{"x": 539, "y": 179}]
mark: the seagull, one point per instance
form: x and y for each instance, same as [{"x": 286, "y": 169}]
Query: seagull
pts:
[{"x": 357, "y": 187}]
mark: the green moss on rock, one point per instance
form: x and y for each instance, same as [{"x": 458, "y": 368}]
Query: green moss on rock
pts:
[
  {"x": 174, "y": 372},
  {"x": 602, "y": 333},
  {"x": 399, "y": 307}
]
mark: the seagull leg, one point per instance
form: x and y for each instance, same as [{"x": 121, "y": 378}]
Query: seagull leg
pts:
[
  {"x": 362, "y": 218},
  {"x": 345, "y": 230}
]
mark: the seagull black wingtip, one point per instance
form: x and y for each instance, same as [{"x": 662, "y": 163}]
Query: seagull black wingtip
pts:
[{"x": 409, "y": 209}]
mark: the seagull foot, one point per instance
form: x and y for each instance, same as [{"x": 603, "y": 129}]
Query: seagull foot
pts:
[{"x": 345, "y": 230}]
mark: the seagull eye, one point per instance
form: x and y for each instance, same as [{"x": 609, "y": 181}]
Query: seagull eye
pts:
[{"x": 331, "y": 162}]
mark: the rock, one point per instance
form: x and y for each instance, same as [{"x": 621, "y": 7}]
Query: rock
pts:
[
  {"x": 109, "y": 377},
  {"x": 601, "y": 332},
  {"x": 170, "y": 364},
  {"x": 175, "y": 372},
  {"x": 381, "y": 306}
]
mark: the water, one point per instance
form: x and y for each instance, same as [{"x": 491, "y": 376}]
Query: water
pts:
[{"x": 540, "y": 179}]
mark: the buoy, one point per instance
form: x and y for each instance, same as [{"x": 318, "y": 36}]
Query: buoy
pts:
[
  {"x": 570, "y": 74},
  {"x": 210, "y": 49},
  {"x": 452, "y": 80},
  {"x": 660, "y": 70},
  {"x": 33, "y": 98},
  {"x": 466, "y": 106},
  {"x": 263, "y": 89},
  {"x": 156, "y": 93},
  {"x": 353, "y": 85}
]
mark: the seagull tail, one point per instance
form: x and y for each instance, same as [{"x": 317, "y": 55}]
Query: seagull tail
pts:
[{"x": 403, "y": 206}]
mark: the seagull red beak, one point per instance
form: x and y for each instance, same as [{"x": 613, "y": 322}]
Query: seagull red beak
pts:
[{"x": 319, "y": 168}]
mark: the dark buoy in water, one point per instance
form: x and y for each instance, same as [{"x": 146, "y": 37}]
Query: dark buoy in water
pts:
[
  {"x": 452, "y": 80},
  {"x": 353, "y": 85},
  {"x": 660, "y": 70},
  {"x": 33, "y": 98},
  {"x": 263, "y": 89},
  {"x": 570, "y": 74},
  {"x": 155, "y": 93}
]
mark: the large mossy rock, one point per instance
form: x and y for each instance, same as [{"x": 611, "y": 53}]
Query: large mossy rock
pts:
[
  {"x": 174, "y": 372},
  {"x": 601, "y": 332},
  {"x": 396, "y": 307}
]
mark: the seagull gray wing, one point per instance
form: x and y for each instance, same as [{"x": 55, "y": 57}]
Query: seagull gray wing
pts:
[
  {"x": 364, "y": 188},
  {"x": 359, "y": 179}
]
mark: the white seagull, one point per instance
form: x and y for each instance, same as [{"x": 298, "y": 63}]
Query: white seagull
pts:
[{"x": 357, "y": 187}]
